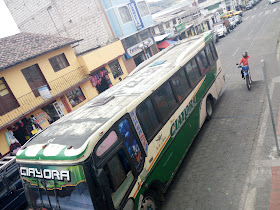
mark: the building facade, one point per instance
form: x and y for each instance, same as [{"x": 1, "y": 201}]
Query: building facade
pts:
[
  {"x": 41, "y": 77},
  {"x": 96, "y": 23}
]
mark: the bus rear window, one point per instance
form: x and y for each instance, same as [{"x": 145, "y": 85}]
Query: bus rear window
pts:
[{"x": 56, "y": 187}]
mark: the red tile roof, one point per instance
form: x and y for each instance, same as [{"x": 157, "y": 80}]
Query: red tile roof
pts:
[{"x": 25, "y": 46}]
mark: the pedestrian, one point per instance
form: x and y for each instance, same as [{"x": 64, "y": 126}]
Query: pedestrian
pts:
[{"x": 35, "y": 122}]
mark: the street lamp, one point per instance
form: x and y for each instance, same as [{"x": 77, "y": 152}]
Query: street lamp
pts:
[{"x": 144, "y": 45}]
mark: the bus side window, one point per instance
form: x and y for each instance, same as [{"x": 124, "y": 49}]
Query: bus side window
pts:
[
  {"x": 180, "y": 84},
  {"x": 165, "y": 100},
  {"x": 202, "y": 61},
  {"x": 193, "y": 73},
  {"x": 209, "y": 54},
  {"x": 131, "y": 145},
  {"x": 148, "y": 118},
  {"x": 213, "y": 49},
  {"x": 119, "y": 175}
]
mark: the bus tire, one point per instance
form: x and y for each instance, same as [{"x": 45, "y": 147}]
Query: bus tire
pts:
[
  {"x": 209, "y": 108},
  {"x": 150, "y": 201}
]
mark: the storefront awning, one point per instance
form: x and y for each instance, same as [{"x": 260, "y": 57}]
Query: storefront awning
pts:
[
  {"x": 165, "y": 44},
  {"x": 161, "y": 37}
]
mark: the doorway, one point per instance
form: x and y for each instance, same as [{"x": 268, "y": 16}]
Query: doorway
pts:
[{"x": 54, "y": 111}]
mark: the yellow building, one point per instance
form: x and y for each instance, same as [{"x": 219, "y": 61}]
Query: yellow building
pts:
[{"x": 41, "y": 76}]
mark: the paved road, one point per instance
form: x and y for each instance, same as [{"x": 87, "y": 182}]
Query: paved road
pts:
[{"x": 219, "y": 171}]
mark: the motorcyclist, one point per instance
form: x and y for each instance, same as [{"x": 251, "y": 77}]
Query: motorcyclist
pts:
[{"x": 245, "y": 62}]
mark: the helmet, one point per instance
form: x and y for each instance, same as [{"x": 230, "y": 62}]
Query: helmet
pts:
[{"x": 245, "y": 54}]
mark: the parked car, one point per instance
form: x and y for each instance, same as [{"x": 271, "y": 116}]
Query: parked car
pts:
[
  {"x": 227, "y": 15},
  {"x": 236, "y": 12},
  {"x": 220, "y": 29},
  {"x": 249, "y": 6},
  {"x": 215, "y": 36},
  {"x": 12, "y": 195},
  {"x": 272, "y": 1},
  {"x": 238, "y": 19},
  {"x": 232, "y": 22}
]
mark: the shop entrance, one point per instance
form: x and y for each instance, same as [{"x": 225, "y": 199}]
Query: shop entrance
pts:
[
  {"x": 101, "y": 80},
  {"x": 54, "y": 111}
]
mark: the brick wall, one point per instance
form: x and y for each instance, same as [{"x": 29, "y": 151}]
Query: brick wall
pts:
[{"x": 69, "y": 18}]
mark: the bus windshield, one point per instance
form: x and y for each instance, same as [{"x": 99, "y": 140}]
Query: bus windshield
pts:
[{"x": 56, "y": 187}]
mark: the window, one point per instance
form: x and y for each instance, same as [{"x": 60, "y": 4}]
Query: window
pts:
[
  {"x": 125, "y": 15},
  {"x": 180, "y": 84},
  {"x": 107, "y": 143},
  {"x": 119, "y": 176},
  {"x": 192, "y": 72},
  {"x": 202, "y": 61},
  {"x": 167, "y": 24},
  {"x": 131, "y": 144},
  {"x": 116, "y": 69},
  {"x": 209, "y": 54},
  {"x": 34, "y": 78},
  {"x": 75, "y": 96},
  {"x": 174, "y": 21},
  {"x": 148, "y": 118},
  {"x": 143, "y": 8},
  {"x": 165, "y": 100},
  {"x": 213, "y": 49},
  {"x": 59, "y": 62},
  {"x": 8, "y": 101}
]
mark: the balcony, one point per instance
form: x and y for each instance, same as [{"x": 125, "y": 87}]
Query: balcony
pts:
[{"x": 28, "y": 102}]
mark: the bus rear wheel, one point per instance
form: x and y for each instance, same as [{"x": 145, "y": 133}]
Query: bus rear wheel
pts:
[
  {"x": 151, "y": 201},
  {"x": 209, "y": 108}
]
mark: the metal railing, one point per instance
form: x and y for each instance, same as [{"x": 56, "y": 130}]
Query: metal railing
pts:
[{"x": 29, "y": 101}]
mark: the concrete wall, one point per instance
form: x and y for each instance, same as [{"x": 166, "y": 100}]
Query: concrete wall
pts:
[{"x": 68, "y": 18}]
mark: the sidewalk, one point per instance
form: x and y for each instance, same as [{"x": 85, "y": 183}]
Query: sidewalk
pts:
[{"x": 262, "y": 189}]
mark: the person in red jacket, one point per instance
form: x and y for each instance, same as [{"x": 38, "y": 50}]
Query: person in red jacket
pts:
[{"x": 244, "y": 61}]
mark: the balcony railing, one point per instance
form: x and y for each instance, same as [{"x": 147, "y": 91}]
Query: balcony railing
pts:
[{"x": 30, "y": 102}]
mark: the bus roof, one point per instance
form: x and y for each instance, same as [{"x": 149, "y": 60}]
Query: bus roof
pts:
[{"x": 69, "y": 137}]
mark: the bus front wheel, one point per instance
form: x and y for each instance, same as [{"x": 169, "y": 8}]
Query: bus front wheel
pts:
[
  {"x": 209, "y": 108},
  {"x": 151, "y": 201}
]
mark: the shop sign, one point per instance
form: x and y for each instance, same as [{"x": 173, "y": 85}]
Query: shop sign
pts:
[
  {"x": 45, "y": 92},
  {"x": 134, "y": 50},
  {"x": 180, "y": 27},
  {"x": 135, "y": 15}
]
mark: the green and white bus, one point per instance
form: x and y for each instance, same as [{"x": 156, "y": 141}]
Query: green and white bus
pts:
[{"x": 122, "y": 149}]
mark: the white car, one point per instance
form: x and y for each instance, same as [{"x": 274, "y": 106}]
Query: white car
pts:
[
  {"x": 238, "y": 19},
  {"x": 221, "y": 30},
  {"x": 272, "y": 1},
  {"x": 232, "y": 21}
]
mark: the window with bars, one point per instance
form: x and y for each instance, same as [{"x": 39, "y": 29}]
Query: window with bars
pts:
[{"x": 59, "y": 62}]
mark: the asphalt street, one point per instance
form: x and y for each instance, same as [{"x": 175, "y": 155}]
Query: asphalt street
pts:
[{"x": 229, "y": 164}]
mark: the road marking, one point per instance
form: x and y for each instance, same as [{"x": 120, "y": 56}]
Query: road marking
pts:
[
  {"x": 246, "y": 18},
  {"x": 253, "y": 16},
  {"x": 235, "y": 51},
  {"x": 274, "y": 9},
  {"x": 261, "y": 13},
  {"x": 267, "y": 12},
  {"x": 250, "y": 33}
]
